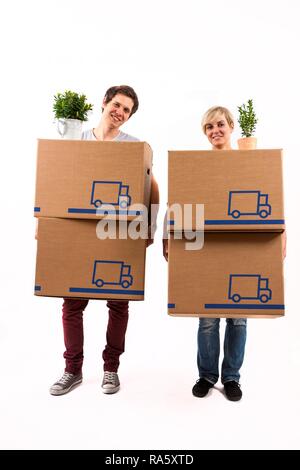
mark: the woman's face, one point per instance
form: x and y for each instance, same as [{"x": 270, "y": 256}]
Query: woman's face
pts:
[{"x": 218, "y": 132}]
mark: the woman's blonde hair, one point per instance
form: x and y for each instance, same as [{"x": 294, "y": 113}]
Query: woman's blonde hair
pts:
[{"x": 212, "y": 112}]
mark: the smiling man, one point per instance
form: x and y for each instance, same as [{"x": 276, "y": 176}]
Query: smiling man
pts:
[{"x": 119, "y": 104}]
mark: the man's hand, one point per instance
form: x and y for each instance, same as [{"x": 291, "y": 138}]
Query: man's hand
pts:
[
  {"x": 149, "y": 240},
  {"x": 165, "y": 249},
  {"x": 153, "y": 211},
  {"x": 283, "y": 245}
]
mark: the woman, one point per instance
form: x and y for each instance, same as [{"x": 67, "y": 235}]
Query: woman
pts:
[{"x": 217, "y": 125}]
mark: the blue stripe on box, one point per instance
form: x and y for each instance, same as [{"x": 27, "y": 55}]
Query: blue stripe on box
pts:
[
  {"x": 244, "y": 222},
  {"x": 74, "y": 210},
  {"x": 105, "y": 291},
  {"x": 239, "y": 222},
  {"x": 246, "y": 306}
]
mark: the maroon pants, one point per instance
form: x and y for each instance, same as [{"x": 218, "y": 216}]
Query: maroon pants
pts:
[{"x": 73, "y": 333}]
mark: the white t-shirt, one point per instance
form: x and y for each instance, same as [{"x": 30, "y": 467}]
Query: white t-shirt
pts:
[{"x": 121, "y": 137}]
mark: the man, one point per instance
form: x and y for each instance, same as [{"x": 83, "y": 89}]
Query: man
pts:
[{"x": 119, "y": 104}]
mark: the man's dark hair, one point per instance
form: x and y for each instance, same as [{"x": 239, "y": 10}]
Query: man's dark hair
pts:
[{"x": 122, "y": 90}]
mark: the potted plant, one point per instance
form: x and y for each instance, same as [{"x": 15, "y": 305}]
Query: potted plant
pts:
[
  {"x": 247, "y": 121},
  {"x": 70, "y": 110}
]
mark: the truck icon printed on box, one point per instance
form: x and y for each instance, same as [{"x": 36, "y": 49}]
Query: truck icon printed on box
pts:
[
  {"x": 249, "y": 287},
  {"x": 248, "y": 203},
  {"x": 112, "y": 273},
  {"x": 110, "y": 192}
]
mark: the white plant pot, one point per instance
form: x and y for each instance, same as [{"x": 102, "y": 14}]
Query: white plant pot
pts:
[{"x": 69, "y": 128}]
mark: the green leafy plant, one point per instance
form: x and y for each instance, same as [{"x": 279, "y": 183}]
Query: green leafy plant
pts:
[
  {"x": 71, "y": 105},
  {"x": 247, "y": 119}
]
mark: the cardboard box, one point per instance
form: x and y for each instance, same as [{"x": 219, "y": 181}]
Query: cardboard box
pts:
[
  {"x": 241, "y": 189},
  {"x": 233, "y": 275},
  {"x": 73, "y": 262},
  {"x": 88, "y": 179}
]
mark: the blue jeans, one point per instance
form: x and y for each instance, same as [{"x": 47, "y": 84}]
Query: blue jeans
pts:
[{"x": 209, "y": 349}]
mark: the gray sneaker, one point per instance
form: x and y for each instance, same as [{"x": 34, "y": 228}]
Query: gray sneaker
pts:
[
  {"x": 110, "y": 382},
  {"x": 66, "y": 383}
]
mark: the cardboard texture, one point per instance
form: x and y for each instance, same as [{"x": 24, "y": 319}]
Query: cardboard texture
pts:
[
  {"x": 88, "y": 179},
  {"x": 73, "y": 262},
  {"x": 234, "y": 275},
  {"x": 241, "y": 189}
]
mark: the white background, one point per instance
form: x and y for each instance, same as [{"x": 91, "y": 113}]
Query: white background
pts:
[{"x": 181, "y": 57}]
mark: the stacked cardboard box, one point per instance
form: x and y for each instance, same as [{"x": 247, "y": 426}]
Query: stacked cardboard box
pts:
[
  {"x": 80, "y": 183},
  {"x": 238, "y": 272}
]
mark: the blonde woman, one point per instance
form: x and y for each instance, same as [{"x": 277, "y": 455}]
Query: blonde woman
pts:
[{"x": 217, "y": 125}]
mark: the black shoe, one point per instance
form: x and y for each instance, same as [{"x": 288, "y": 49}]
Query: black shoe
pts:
[
  {"x": 201, "y": 388},
  {"x": 233, "y": 390}
]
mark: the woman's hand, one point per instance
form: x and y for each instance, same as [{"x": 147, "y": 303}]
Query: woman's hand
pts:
[
  {"x": 36, "y": 228},
  {"x": 165, "y": 249}
]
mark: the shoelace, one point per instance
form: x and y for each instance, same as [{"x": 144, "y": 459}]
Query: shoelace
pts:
[
  {"x": 233, "y": 384},
  {"x": 109, "y": 377},
  {"x": 65, "y": 378}
]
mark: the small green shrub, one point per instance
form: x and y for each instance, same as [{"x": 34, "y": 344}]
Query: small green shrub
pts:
[
  {"x": 71, "y": 105},
  {"x": 247, "y": 119}
]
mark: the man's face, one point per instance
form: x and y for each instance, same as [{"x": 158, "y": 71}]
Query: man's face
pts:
[
  {"x": 218, "y": 131},
  {"x": 118, "y": 110}
]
